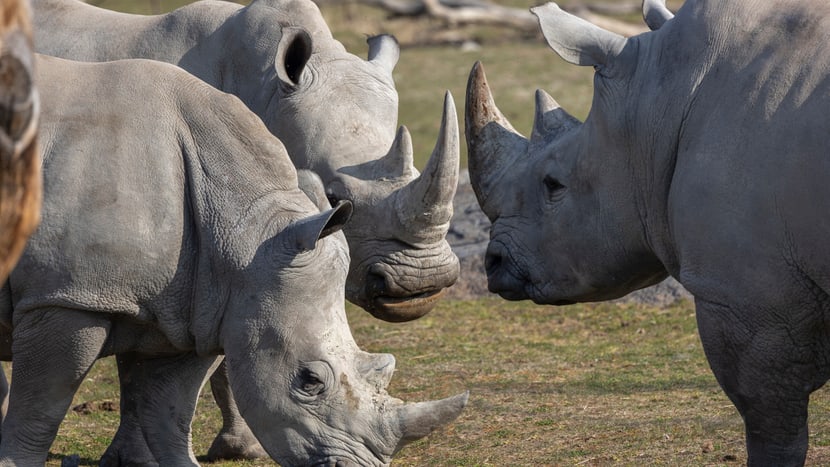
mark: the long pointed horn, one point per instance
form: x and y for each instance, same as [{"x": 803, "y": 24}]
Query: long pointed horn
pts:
[
  {"x": 492, "y": 142},
  {"x": 422, "y": 418},
  {"x": 425, "y": 204},
  {"x": 551, "y": 120},
  {"x": 655, "y": 13}
]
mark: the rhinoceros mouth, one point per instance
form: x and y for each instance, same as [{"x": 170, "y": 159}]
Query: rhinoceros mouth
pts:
[{"x": 401, "y": 309}]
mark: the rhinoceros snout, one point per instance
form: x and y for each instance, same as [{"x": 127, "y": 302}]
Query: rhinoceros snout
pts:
[
  {"x": 396, "y": 306},
  {"x": 503, "y": 277}
]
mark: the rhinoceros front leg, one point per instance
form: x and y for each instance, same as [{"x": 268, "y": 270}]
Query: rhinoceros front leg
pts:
[
  {"x": 53, "y": 351},
  {"x": 164, "y": 391},
  {"x": 235, "y": 440},
  {"x": 767, "y": 377},
  {"x": 128, "y": 447}
]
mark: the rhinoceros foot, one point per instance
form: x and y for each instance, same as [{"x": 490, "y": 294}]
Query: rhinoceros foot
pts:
[
  {"x": 235, "y": 446},
  {"x": 127, "y": 455},
  {"x": 395, "y": 310}
]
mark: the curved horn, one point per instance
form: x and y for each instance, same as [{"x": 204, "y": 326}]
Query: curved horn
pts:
[
  {"x": 655, "y": 13},
  {"x": 425, "y": 204},
  {"x": 20, "y": 177},
  {"x": 422, "y": 418},
  {"x": 492, "y": 142},
  {"x": 550, "y": 121},
  {"x": 575, "y": 40}
]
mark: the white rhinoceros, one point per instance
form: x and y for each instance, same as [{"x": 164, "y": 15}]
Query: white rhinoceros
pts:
[
  {"x": 19, "y": 156},
  {"x": 706, "y": 155},
  {"x": 174, "y": 230},
  {"x": 336, "y": 114}
]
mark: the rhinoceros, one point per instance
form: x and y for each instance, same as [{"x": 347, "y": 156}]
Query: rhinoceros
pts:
[
  {"x": 20, "y": 188},
  {"x": 174, "y": 230},
  {"x": 336, "y": 114},
  {"x": 705, "y": 155}
]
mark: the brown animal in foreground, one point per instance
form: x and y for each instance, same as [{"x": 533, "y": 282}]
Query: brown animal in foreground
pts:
[{"x": 20, "y": 185}]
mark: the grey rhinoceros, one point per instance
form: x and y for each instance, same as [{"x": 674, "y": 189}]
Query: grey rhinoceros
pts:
[
  {"x": 705, "y": 155},
  {"x": 19, "y": 156},
  {"x": 174, "y": 230},
  {"x": 336, "y": 114}
]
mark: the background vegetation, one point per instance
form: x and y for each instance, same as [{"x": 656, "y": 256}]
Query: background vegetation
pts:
[{"x": 597, "y": 384}]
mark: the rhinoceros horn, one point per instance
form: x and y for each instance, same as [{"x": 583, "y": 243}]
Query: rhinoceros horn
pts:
[
  {"x": 20, "y": 181},
  {"x": 422, "y": 418},
  {"x": 656, "y": 14},
  {"x": 424, "y": 206},
  {"x": 551, "y": 120},
  {"x": 492, "y": 142}
]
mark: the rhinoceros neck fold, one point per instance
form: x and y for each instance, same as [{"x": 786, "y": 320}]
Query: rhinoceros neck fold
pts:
[{"x": 239, "y": 198}]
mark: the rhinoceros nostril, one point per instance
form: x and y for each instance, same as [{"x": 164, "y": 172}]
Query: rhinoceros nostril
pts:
[
  {"x": 492, "y": 262},
  {"x": 375, "y": 285}
]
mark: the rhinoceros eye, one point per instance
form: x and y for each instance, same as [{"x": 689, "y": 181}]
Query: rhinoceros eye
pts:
[
  {"x": 312, "y": 379},
  {"x": 553, "y": 188}
]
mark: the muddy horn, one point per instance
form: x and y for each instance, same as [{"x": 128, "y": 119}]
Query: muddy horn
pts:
[
  {"x": 424, "y": 206},
  {"x": 422, "y": 418},
  {"x": 492, "y": 142},
  {"x": 20, "y": 185}
]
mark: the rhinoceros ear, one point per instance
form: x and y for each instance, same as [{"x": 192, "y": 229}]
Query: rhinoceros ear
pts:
[
  {"x": 312, "y": 186},
  {"x": 384, "y": 50},
  {"x": 655, "y": 13},
  {"x": 575, "y": 40},
  {"x": 293, "y": 53},
  {"x": 318, "y": 226}
]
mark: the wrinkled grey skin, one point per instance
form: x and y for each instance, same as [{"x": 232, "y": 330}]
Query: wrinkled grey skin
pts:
[
  {"x": 336, "y": 114},
  {"x": 704, "y": 156},
  {"x": 174, "y": 230}
]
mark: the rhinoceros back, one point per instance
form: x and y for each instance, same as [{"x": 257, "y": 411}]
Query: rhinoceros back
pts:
[{"x": 149, "y": 175}]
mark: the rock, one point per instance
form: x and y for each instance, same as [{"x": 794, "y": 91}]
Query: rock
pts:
[{"x": 468, "y": 236}]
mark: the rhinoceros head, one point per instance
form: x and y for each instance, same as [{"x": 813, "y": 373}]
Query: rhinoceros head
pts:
[
  {"x": 564, "y": 206},
  {"x": 20, "y": 189},
  {"x": 337, "y": 115},
  {"x": 309, "y": 394}
]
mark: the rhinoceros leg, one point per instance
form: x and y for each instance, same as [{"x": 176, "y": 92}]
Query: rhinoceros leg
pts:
[
  {"x": 165, "y": 391},
  {"x": 53, "y": 351},
  {"x": 128, "y": 447},
  {"x": 235, "y": 440},
  {"x": 766, "y": 376}
]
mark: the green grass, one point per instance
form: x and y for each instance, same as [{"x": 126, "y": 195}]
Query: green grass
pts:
[{"x": 597, "y": 384}]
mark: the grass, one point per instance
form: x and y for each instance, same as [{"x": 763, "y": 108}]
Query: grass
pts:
[{"x": 595, "y": 384}]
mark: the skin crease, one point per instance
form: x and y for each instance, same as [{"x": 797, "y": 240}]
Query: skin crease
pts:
[
  {"x": 703, "y": 156},
  {"x": 179, "y": 248},
  {"x": 336, "y": 114}
]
